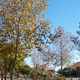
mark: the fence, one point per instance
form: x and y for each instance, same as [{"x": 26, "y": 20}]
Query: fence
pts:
[
  {"x": 47, "y": 78},
  {"x": 73, "y": 78}
]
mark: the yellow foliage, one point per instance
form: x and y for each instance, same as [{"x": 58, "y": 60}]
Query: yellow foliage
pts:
[
  {"x": 42, "y": 48},
  {"x": 45, "y": 6},
  {"x": 52, "y": 26},
  {"x": 29, "y": 24},
  {"x": 28, "y": 4},
  {"x": 28, "y": 15},
  {"x": 29, "y": 51},
  {"x": 16, "y": 23},
  {"x": 49, "y": 31},
  {"x": 29, "y": 42},
  {"x": 3, "y": 35},
  {"x": 5, "y": 0},
  {"x": 32, "y": 54}
]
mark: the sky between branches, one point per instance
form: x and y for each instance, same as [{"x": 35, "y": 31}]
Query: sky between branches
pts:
[{"x": 64, "y": 13}]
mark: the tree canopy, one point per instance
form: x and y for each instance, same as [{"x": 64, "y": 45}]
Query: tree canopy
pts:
[{"x": 22, "y": 22}]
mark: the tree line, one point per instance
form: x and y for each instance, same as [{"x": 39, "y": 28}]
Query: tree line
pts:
[{"x": 23, "y": 29}]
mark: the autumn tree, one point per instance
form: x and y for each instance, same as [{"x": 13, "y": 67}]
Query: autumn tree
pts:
[
  {"x": 3, "y": 56},
  {"x": 60, "y": 53},
  {"x": 43, "y": 58},
  {"x": 7, "y": 54},
  {"x": 47, "y": 55},
  {"x": 62, "y": 46},
  {"x": 36, "y": 59},
  {"x": 22, "y": 23},
  {"x": 76, "y": 40}
]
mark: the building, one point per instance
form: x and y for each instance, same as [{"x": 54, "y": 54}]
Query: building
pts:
[
  {"x": 46, "y": 68},
  {"x": 76, "y": 66},
  {"x": 49, "y": 69}
]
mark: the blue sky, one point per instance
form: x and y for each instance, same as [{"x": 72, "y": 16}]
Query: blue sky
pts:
[{"x": 64, "y": 13}]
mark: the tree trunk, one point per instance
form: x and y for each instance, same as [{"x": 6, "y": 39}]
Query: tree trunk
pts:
[
  {"x": 13, "y": 68},
  {"x": 5, "y": 74},
  {"x": 15, "y": 59},
  {"x": 1, "y": 75},
  {"x": 61, "y": 67},
  {"x": 5, "y": 70},
  {"x": 61, "y": 61},
  {"x": 14, "y": 62},
  {"x": 41, "y": 75}
]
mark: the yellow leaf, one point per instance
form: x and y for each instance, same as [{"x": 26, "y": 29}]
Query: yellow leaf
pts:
[
  {"x": 49, "y": 31},
  {"x": 28, "y": 4},
  {"x": 29, "y": 42},
  {"x": 51, "y": 26},
  {"x": 16, "y": 23},
  {"x": 43, "y": 16},
  {"x": 38, "y": 14},
  {"x": 5, "y": 0},
  {"x": 29, "y": 51},
  {"x": 3, "y": 35},
  {"x": 29, "y": 24},
  {"x": 42, "y": 48},
  {"x": 24, "y": 5},
  {"x": 45, "y": 6},
  {"x": 32, "y": 54}
]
